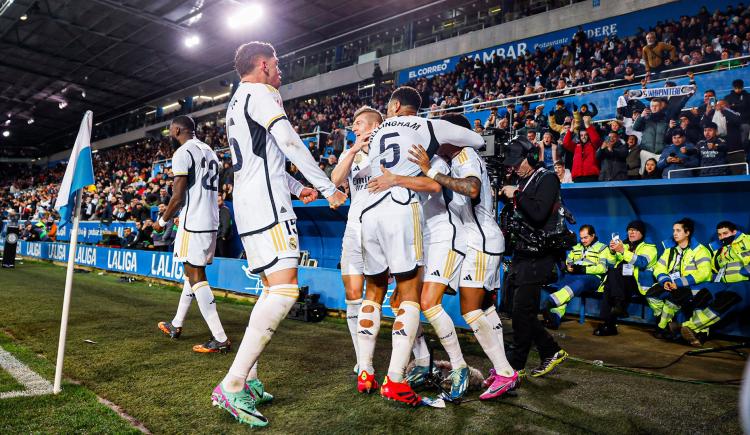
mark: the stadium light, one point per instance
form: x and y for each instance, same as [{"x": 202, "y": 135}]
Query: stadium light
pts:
[
  {"x": 6, "y": 133},
  {"x": 192, "y": 40},
  {"x": 62, "y": 104},
  {"x": 244, "y": 16},
  {"x": 24, "y": 17},
  {"x": 30, "y": 121}
]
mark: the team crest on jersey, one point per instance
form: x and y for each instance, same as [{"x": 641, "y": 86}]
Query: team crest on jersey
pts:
[
  {"x": 358, "y": 158},
  {"x": 293, "y": 242}
]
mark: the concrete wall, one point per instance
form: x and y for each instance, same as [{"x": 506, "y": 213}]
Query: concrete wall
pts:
[{"x": 569, "y": 16}]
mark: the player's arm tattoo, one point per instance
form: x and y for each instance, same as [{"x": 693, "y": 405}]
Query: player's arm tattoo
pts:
[{"x": 468, "y": 186}]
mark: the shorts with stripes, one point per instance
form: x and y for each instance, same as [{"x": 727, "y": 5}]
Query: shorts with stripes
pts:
[
  {"x": 195, "y": 249},
  {"x": 392, "y": 237},
  {"x": 442, "y": 264},
  {"x": 480, "y": 270},
  {"x": 274, "y": 249}
]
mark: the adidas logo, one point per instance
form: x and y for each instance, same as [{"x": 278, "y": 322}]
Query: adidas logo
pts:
[
  {"x": 399, "y": 332},
  {"x": 365, "y": 332},
  {"x": 435, "y": 273},
  {"x": 213, "y": 301},
  {"x": 468, "y": 278},
  {"x": 231, "y": 122},
  {"x": 497, "y": 327},
  {"x": 283, "y": 210}
]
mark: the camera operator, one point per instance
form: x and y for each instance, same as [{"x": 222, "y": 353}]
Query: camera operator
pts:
[{"x": 535, "y": 201}]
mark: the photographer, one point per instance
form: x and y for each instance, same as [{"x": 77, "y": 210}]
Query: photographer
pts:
[{"x": 536, "y": 201}]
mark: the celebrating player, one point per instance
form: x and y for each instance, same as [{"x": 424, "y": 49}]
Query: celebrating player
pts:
[
  {"x": 261, "y": 139},
  {"x": 354, "y": 167},
  {"x": 196, "y": 173},
  {"x": 485, "y": 245},
  {"x": 392, "y": 237}
]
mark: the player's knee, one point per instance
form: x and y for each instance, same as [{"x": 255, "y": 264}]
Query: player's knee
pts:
[{"x": 426, "y": 301}]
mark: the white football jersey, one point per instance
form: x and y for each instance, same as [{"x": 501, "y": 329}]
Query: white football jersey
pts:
[
  {"x": 442, "y": 213},
  {"x": 391, "y": 141},
  {"x": 199, "y": 163},
  {"x": 358, "y": 177},
  {"x": 482, "y": 230},
  {"x": 261, "y": 191}
]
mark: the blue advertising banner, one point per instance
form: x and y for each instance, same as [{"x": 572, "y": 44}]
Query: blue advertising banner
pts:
[
  {"x": 88, "y": 231},
  {"x": 225, "y": 273},
  {"x": 621, "y": 25}
]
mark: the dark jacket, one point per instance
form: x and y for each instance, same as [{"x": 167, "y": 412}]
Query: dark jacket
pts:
[
  {"x": 740, "y": 103},
  {"x": 734, "y": 132},
  {"x": 633, "y": 163},
  {"x": 711, "y": 157},
  {"x": 690, "y": 159},
  {"x": 225, "y": 223},
  {"x": 612, "y": 164}
]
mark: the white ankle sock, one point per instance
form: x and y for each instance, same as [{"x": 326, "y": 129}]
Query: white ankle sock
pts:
[
  {"x": 207, "y": 304},
  {"x": 352, "y": 315},
  {"x": 186, "y": 298},
  {"x": 496, "y": 324},
  {"x": 487, "y": 338},
  {"x": 404, "y": 330},
  {"x": 264, "y": 320},
  {"x": 420, "y": 350},
  {"x": 446, "y": 332},
  {"x": 367, "y": 334}
]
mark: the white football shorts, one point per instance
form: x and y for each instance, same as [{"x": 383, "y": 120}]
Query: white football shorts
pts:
[
  {"x": 274, "y": 249},
  {"x": 392, "y": 237},
  {"x": 195, "y": 249},
  {"x": 480, "y": 270}
]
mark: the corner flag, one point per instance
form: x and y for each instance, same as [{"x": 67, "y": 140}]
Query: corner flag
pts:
[{"x": 79, "y": 173}]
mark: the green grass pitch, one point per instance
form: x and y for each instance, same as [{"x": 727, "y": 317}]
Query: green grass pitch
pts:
[{"x": 308, "y": 367}]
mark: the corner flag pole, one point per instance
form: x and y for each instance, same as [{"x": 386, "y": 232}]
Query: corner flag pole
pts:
[{"x": 66, "y": 299}]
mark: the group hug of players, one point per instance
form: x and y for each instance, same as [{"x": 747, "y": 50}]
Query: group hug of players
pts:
[{"x": 421, "y": 212}]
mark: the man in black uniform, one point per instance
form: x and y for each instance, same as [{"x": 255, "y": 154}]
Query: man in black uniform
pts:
[{"x": 536, "y": 203}]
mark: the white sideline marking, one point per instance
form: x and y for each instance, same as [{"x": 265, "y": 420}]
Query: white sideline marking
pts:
[{"x": 34, "y": 385}]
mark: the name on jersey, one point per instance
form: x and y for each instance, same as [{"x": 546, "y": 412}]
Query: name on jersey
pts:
[
  {"x": 360, "y": 183},
  {"x": 397, "y": 123}
]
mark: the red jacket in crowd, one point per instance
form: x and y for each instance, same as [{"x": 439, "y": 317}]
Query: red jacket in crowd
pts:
[{"x": 584, "y": 155}]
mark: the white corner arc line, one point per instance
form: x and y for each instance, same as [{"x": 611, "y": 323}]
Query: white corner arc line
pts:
[{"x": 34, "y": 384}]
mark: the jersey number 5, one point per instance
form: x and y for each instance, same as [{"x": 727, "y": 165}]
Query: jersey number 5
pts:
[
  {"x": 210, "y": 178},
  {"x": 390, "y": 146}
]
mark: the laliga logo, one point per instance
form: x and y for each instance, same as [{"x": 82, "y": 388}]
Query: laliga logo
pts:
[{"x": 257, "y": 284}]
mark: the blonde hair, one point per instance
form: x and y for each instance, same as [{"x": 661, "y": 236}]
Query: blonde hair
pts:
[{"x": 367, "y": 109}]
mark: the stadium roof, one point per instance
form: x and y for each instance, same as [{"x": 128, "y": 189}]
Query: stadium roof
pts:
[{"x": 112, "y": 56}]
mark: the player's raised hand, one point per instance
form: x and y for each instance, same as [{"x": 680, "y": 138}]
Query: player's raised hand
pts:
[
  {"x": 383, "y": 182},
  {"x": 308, "y": 195},
  {"x": 335, "y": 200},
  {"x": 418, "y": 155}
]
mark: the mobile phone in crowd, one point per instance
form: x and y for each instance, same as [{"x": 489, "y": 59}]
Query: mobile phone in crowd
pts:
[
  {"x": 712, "y": 101},
  {"x": 616, "y": 237}
]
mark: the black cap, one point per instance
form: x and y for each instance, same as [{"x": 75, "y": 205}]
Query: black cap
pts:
[
  {"x": 710, "y": 124},
  {"x": 638, "y": 225},
  {"x": 738, "y": 83},
  {"x": 560, "y": 103},
  {"x": 517, "y": 150},
  {"x": 678, "y": 132}
]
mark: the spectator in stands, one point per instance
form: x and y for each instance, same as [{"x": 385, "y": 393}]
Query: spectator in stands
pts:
[
  {"x": 685, "y": 262},
  {"x": 655, "y": 52},
  {"x": 51, "y": 229},
  {"x": 679, "y": 155},
  {"x": 583, "y": 148},
  {"x": 330, "y": 165},
  {"x": 728, "y": 127},
  {"x": 633, "y": 159},
  {"x": 692, "y": 128},
  {"x": 713, "y": 151},
  {"x": 547, "y": 150},
  {"x": 493, "y": 120},
  {"x": 651, "y": 170},
  {"x": 144, "y": 239},
  {"x": 612, "y": 157},
  {"x": 165, "y": 239},
  {"x": 653, "y": 124},
  {"x": 128, "y": 239},
  {"x": 632, "y": 272},
  {"x": 225, "y": 230},
  {"x": 558, "y": 115},
  {"x": 562, "y": 174},
  {"x": 739, "y": 101}
]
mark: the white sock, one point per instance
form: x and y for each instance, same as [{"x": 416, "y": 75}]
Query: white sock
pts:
[
  {"x": 253, "y": 374},
  {"x": 207, "y": 304},
  {"x": 420, "y": 350},
  {"x": 186, "y": 298},
  {"x": 446, "y": 332},
  {"x": 404, "y": 330},
  {"x": 496, "y": 324},
  {"x": 352, "y": 315},
  {"x": 367, "y": 334},
  {"x": 264, "y": 320},
  {"x": 487, "y": 338}
]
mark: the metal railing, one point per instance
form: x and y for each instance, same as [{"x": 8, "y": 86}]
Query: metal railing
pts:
[{"x": 726, "y": 165}]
